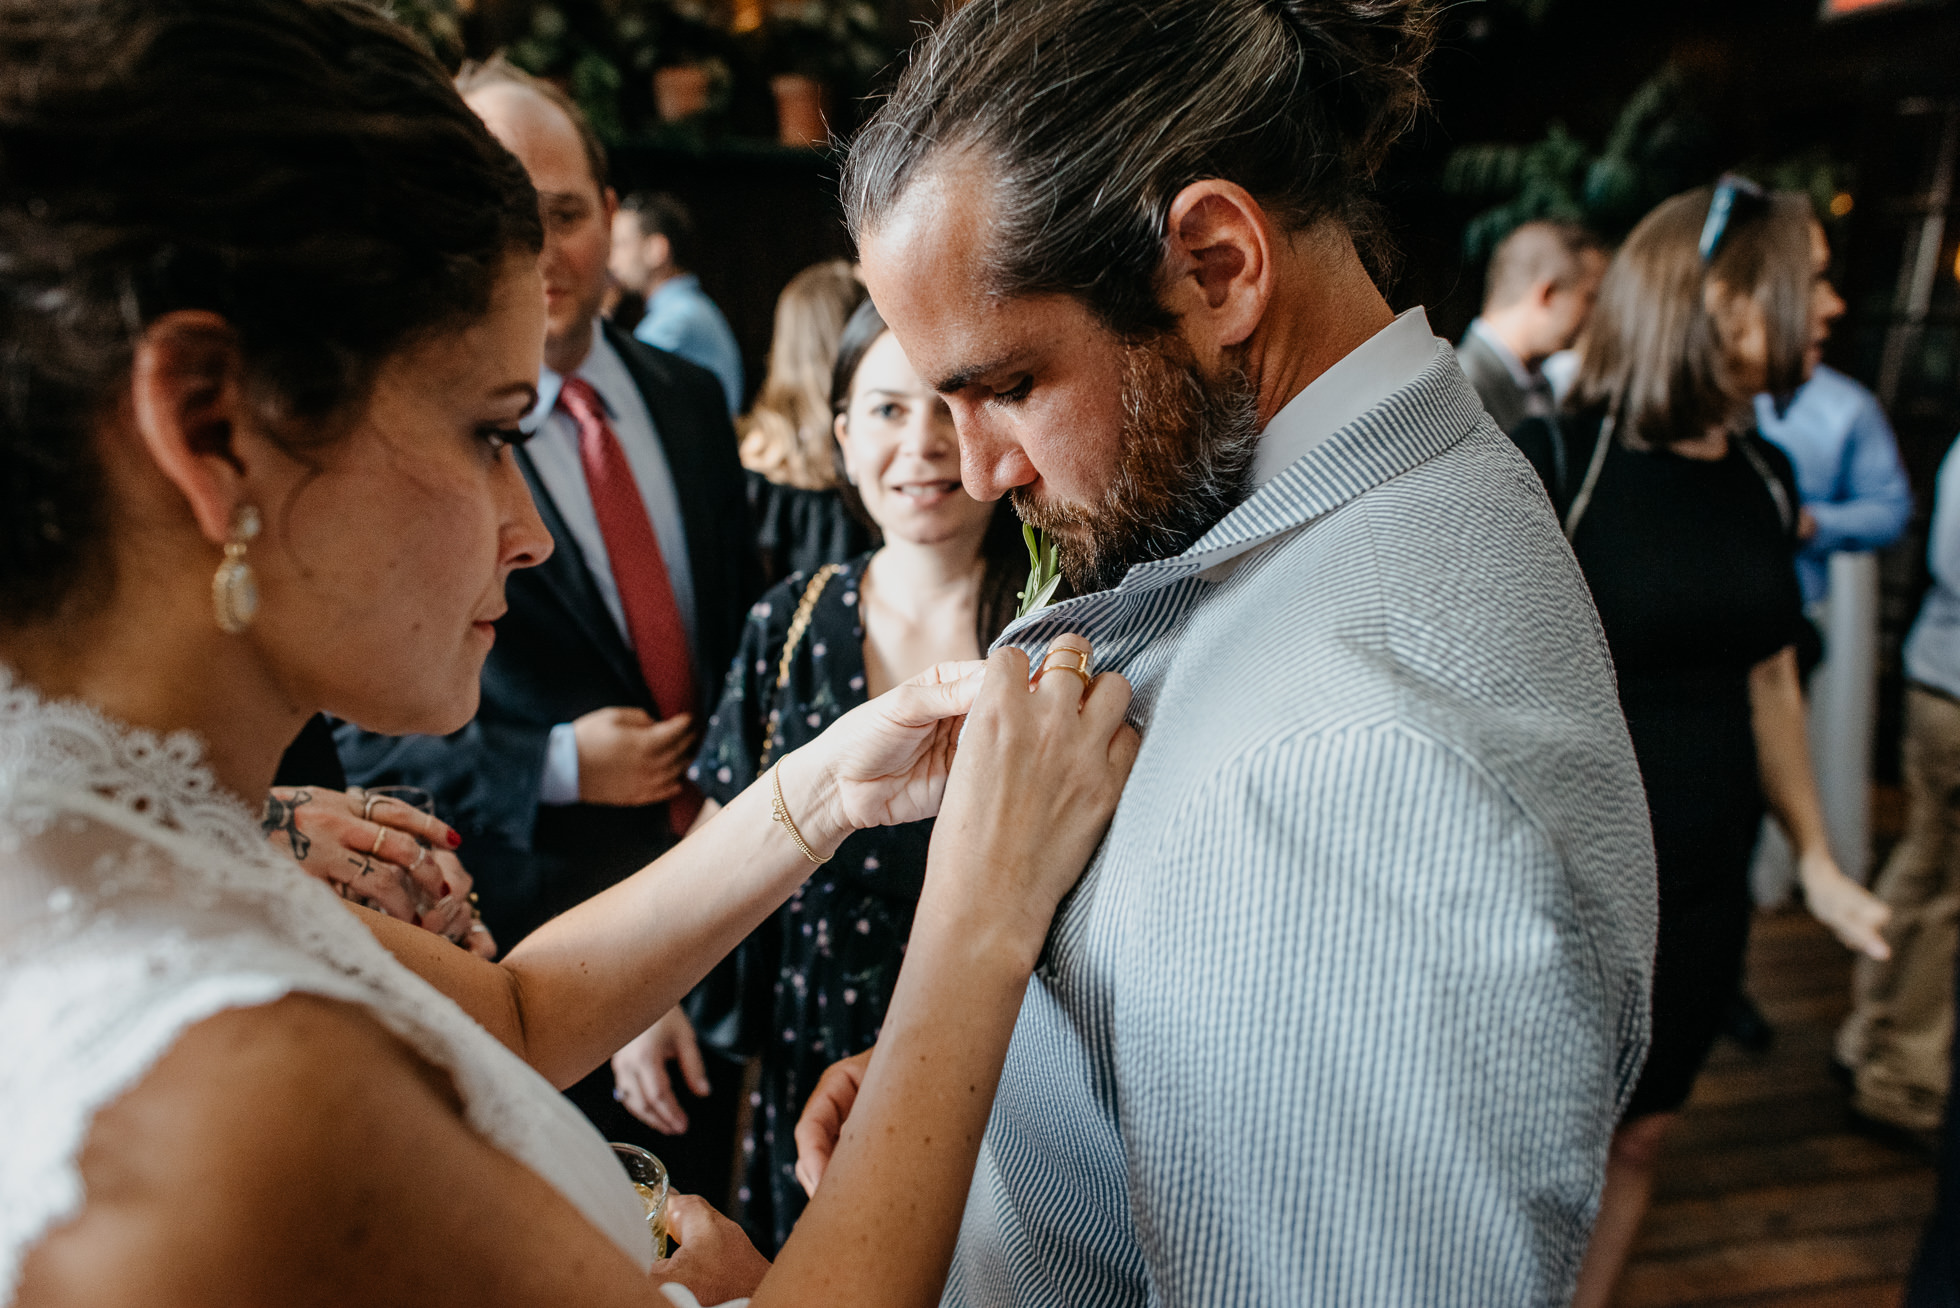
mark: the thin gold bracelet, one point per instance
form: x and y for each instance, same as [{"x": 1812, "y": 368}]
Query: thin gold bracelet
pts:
[{"x": 789, "y": 823}]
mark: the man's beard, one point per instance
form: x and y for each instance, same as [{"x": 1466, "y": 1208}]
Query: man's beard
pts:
[{"x": 1185, "y": 461}]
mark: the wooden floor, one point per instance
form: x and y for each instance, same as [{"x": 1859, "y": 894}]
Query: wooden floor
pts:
[{"x": 1766, "y": 1197}]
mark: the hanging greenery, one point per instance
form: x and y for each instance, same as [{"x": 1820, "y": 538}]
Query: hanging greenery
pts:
[{"x": 1652, "y": 152}]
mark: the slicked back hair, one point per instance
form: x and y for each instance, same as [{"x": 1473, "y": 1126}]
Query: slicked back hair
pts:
[{"x": 1089, "y": 116}]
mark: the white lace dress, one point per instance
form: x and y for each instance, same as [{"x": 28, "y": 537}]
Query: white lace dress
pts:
[{"x": 137, "y": 898}]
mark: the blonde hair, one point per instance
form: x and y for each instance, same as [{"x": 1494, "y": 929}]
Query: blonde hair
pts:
[{"x": 786, "y": 437}]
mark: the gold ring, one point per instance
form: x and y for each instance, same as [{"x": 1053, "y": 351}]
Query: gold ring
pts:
[
  {"x": 367, "y": 807},
  {"x": 1080, "y": 667},
  {"x": 380, "y": 836}
]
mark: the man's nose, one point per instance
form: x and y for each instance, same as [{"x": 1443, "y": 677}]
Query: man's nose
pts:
[{"x": 991, "y": 464}]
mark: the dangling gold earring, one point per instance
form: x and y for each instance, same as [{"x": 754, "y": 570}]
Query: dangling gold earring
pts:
[{"x": 234, "y": 590}]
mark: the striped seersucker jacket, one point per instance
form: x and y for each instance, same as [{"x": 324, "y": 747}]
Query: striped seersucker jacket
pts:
[{"x": 1347, "y": 1005}]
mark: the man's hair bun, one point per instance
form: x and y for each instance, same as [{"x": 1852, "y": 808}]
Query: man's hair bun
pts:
[{"x": 1369, "y": 56}]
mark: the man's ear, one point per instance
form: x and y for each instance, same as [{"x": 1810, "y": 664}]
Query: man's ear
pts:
[
  {"x": 1543, "y": 292},
  {"x": 1219, "y": 264},
  {"x": 659, "y": 251},
  {"x": 609, "y": 201},
  {"x": 187, "y": 398}
]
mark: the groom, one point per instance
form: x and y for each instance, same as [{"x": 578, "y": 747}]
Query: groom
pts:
[{"x": 1348, "y": 1005}]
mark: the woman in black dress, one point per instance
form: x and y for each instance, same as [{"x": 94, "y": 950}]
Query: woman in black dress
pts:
[
  {"x": 940, "y": 586},
  {"x": 1686, "y": 523}
]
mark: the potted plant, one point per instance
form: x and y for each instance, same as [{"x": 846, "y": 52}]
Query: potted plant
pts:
[{"x": 816, "y": 50}]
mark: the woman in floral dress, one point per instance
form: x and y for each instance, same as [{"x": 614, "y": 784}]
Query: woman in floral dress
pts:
[{"x": 941, "y": 585}]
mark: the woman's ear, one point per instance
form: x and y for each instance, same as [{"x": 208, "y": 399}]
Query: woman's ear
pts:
[
  {"x": 187, "y": 397},
  {"x": 840, "y": 428},
  {"x": 1219, "y": 264}
]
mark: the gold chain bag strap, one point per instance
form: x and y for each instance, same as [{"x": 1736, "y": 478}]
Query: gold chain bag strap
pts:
[{"x": 797, "y": 626}]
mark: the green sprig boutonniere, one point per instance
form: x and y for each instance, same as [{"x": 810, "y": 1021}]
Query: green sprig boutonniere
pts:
[{"x": 1044, "y": 571}]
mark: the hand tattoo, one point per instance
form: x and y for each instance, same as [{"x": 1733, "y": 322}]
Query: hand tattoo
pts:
[{"x": 282, "y": 816}]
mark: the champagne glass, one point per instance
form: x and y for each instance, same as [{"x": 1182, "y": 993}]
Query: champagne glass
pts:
[{"x": 649, "y": 1177}]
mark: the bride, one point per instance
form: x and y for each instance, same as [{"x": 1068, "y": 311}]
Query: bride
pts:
[{"x": 271, "y": 314}]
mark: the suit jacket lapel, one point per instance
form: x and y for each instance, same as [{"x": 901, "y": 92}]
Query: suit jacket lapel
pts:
[{"x": 565, "y": 577}]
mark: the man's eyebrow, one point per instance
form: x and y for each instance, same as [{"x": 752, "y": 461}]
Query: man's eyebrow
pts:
[
  {"x": 561, "y": 197},
  {"x": 965, "y": 377}
]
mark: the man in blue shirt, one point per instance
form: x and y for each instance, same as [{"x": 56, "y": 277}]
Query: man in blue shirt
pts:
[
  {"x": 1895, "y": 1042},
  {"x": 1855, "y": 494},
  {"x": 1855, "y": 499},
  {"x": 653, "y": 255}
]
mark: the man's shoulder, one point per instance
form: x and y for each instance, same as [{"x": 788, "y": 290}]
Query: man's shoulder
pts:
[{"x": 1443, "y": 602}]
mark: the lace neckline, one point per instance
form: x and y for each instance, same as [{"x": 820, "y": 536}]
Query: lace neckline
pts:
[{"x": 55, "y": 744}]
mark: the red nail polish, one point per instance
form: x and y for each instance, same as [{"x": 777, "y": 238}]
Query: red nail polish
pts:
[{"x": 455, "y": 839}]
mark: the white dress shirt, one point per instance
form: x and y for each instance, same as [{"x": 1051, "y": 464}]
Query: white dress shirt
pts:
[{"x": 553, "y": 449}]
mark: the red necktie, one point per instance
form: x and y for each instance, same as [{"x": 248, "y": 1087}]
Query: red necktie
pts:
[{"x": 653, "y": 618}]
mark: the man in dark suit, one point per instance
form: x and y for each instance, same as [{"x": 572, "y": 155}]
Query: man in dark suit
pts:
[
  {"x": 571, "y": 776},
  {"x": 1542, "y": 284}
]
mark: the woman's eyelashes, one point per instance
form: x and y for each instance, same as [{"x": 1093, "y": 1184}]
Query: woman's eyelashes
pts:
[{"x": 499, "y": 438}]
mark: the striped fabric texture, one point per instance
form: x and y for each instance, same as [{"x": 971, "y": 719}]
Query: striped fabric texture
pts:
[{"x": 1347, "y": 1005}]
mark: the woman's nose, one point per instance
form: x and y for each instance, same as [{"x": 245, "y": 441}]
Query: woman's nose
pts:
[
  {"x": 928, "y": 434},
  {"x": 524, "y": 541}
]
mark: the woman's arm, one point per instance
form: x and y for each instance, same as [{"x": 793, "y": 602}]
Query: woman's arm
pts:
[
  {"x": 589, "y": 981},
  {"x": 1783, "y": 760},
  {"x": 1004, "y": 850}
]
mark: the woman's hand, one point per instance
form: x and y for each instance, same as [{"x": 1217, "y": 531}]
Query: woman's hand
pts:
[
  {"x": 715, "y": 1260},
  {"x": 641, "y": 1081},
  {"x": 1033, "y": 790},
  {"x": 1854, "y": 914},
  {"x": 390, "y": 856},
  {"x": 822, "y": 1123},
  {"x": 885, "y": 763},
  {"x": 1039, "y": 771}
]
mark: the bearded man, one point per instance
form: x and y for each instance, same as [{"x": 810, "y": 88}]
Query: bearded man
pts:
[{"x": 1349, "y": 1003}]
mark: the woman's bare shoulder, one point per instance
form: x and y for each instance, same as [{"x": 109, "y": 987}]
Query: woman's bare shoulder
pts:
[{"x": 294, "y": 1153}]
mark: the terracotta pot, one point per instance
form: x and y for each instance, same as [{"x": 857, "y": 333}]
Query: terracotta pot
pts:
[
  {"x": 799, "y": 110},
  {"x": 680, "y": 92}
]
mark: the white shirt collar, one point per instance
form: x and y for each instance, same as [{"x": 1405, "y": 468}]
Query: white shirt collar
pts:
[
  {"x": 603, "y": 368},
  {"x": 1370, "y": 373}
]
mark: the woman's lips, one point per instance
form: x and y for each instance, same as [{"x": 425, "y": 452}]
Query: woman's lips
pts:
[{"x": 926, "y": 494}]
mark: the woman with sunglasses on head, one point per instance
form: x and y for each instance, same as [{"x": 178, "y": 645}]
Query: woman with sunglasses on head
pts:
[
  {"x": 1685, "y": 522},
  {"x": 273, "y": 310}
]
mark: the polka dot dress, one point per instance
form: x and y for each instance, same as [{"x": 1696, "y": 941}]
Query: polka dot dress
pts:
[{"x": 830, "y": 956}]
